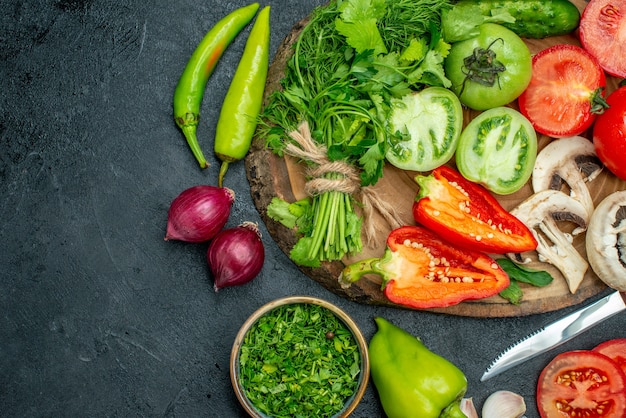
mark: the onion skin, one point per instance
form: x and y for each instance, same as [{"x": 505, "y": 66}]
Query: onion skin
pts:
[
  {"x": 198, "y": 213},
  {"x": 236, "y": 255}
]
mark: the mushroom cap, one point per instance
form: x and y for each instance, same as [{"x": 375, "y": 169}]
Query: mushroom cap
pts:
[
  {"x": 606, "y": 240},
  {"x": 551, "y": 203},
  {"x": 571, "y": 160}
]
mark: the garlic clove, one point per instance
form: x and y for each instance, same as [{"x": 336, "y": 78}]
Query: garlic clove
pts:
[
  {"x": 468, "y": 408},
  {"x": 504, "y": 404}
]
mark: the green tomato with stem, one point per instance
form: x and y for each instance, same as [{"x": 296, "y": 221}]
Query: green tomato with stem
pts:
[{"x": 489, "y": 70}]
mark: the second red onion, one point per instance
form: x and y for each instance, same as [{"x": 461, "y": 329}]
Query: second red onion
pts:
[{"x": 236, "y": 255}]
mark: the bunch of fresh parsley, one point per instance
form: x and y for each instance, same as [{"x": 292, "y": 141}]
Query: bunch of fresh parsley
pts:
[{"x": 348, "y": 62}]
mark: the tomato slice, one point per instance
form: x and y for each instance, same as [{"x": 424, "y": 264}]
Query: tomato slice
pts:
[
  {"x": 615, "y": 349},
  {"x": 565, "y": 91},
  {"x": 582, "y": 383},
  {"x": 603, "y": 34}
]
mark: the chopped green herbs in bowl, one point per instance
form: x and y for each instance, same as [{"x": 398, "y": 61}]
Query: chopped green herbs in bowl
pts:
[{"x": 299, "y": 357}]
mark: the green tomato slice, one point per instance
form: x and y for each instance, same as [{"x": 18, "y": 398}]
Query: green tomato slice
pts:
[
  {"x": 425, "y": 128},
  {"x": 498, "y": 149}
]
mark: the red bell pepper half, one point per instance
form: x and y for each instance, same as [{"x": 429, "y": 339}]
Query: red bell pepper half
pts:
[
  {"x": 466, "y": 214},
  {"x": 420, "y": 270}
]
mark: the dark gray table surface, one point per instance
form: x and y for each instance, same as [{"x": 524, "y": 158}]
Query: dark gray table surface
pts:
[{"x": 101, "y": 316}]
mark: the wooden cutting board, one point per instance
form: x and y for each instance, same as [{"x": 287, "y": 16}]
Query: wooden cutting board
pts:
[{"x": 271, "y": 176}]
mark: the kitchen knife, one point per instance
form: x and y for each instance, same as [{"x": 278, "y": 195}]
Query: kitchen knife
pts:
[{"x": 556, "y": 333}]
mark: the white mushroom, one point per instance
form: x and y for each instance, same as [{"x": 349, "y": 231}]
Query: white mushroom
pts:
[
  {"x": 606, "y": 240},
  {"x": 570, "y": 160},
  {"x": 540, "y": 213}
]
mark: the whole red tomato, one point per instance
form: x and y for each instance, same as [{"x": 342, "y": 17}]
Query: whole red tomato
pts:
[{"x": 609, "y": 134}]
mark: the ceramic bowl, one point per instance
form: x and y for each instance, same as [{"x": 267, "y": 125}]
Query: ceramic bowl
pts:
[{"x": 363, "y": 376}]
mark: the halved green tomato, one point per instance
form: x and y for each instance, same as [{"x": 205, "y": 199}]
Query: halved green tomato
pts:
[
  {"x": 425, "y": 129},
  {"x": 498, "y": 149}
]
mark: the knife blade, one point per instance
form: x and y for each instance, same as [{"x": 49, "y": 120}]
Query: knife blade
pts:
[{"x": 556, "y": 333}]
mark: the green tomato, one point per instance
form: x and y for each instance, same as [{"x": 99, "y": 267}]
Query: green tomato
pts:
[
  {"x": 498, "y": 149},
  {"x": 491, "y": 69},
  {"x": 425, "y": 129}
]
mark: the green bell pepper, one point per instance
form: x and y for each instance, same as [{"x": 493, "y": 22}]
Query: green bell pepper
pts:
[{"x": 411, "y": 380}]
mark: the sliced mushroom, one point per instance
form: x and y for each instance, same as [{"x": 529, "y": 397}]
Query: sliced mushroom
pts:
[
  {"x": 540, "y": 213},
  {"x": 570, "y": 160},
  {"x": 606, "y": 240}
]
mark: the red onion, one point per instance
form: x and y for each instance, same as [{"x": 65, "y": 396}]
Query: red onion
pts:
[
  {"x": 199, "y": 213},
  {"x": 236, "y": 255}
]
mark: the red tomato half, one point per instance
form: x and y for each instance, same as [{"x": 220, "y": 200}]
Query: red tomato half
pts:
[
  {"x": 616, "y": 350},
  {"x": 603, "y": 34},
  {"x": 582, "y": 384},
  {"x": 609, "y": 134},
  {"x": 565, "y": 91}
]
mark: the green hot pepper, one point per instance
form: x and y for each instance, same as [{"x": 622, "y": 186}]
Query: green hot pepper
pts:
[
  {"x": 411, "y": 380},
  {"x": 242, "y": 104},
  {"x": 190, "y": 87}
]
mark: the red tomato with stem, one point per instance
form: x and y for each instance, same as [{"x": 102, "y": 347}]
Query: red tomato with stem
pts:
[
  {"x": 565, "y": 92},
  {"x": 609, "y": 134},
  {"x": 616, "y": 350},
  {"x": 582, "y": 383},
  {"x": 603, "y": 34}
]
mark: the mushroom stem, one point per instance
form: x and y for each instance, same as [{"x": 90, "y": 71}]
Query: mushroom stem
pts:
[
  {"x": 540, "y": 213},
  {"x": 562, "y": 254}
]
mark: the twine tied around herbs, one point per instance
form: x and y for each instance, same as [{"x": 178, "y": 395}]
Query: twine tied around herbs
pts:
[{"x": 347, "y": 181}]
